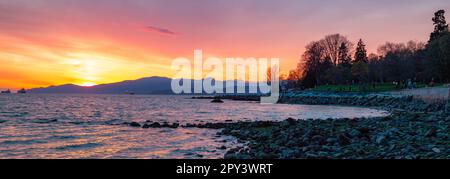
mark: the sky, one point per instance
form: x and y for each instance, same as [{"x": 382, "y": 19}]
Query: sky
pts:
[{"x": 88, "y": 42}]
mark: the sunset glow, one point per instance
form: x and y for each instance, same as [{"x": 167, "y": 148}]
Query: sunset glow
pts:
[
  {"x": 52, "y": 42},
  {"x": 88, "y": 84}
]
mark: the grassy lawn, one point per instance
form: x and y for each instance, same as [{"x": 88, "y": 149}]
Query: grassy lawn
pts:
[{"x": 363, "y": 88}]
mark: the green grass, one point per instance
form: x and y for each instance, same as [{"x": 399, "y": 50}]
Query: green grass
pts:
[{"x": 363, "y": 88}]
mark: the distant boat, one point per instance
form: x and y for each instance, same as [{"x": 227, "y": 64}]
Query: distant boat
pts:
[
  {"x": 6, "y": 92},
  {"x": 22, "y": 91},
  {"x": 129, "y": 92}
]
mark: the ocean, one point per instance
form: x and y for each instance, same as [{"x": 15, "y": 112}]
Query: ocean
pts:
[{"x": 90, "y": 126}]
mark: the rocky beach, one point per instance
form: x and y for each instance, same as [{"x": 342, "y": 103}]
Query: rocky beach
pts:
[
  {"x": 415, "y": 130},
  {"x": 402, "y": 135}
]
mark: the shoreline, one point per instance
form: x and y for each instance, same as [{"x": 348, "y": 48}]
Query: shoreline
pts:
[
  {"x": 402, "y": 135},
  {"x": 415, "y": 130},
  {"x": 384, "y": 101}
]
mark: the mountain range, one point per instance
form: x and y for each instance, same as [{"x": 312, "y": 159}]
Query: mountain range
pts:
[{"x": 148, "y": 85}]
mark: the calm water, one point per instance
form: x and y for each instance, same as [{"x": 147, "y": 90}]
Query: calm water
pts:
[{"x": 82, "y": 126}]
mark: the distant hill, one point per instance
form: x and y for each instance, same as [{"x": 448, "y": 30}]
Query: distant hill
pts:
[{"x": 149, "y": 85}]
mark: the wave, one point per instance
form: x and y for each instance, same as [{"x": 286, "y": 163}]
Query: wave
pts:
[
  {"x": 21, "y": 142},
  {"x": 79, "y": 146}
]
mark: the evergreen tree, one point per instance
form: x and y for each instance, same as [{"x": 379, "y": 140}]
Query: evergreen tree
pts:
[
  {"x": 438, "y": 59},
  {"x": 361, "y": 52},
  {"x": 344, "y": 75},
  {"x": 440, "y": 25},
  {"x": 344, "y": 58}
]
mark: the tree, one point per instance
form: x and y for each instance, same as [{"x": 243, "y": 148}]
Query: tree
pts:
[
  {"x": 344, "y": 74},
  {"x": 438, "y": 58},
  {"x": 409, "y": 48},
  {"x": 361, "y": 52},
  {"x": 440, "y": 25},
  {"x": 295, "y": 76},
  {"x": 360, "y": 71},
  {"x": 376, "y": 72},
  {"x": 392, "y": 65},
  {"x": 332, "y": 44},
  {"x": 343, "y": 55},
  {"x": 327, "y": 73},
  {"x": 400, "y": 61},
  {"x": 314, "y": 59}
]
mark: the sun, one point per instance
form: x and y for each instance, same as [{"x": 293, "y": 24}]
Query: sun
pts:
[{"x": 88, "y": 84}]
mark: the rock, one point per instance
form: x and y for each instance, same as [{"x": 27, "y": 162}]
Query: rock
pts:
[
  {"x": 431, "y": 133},
  {"x": 234, "y": 131},
  {"x": 343, "y": 140},
  {"x": 287, "y": 153},
  {"x": 217, "y": 100},
  {"x": 317, "y": 138},
  {"x": 153, "y": 125},
  {"x": 291, "y": 121},
  {"x": 380, "y": 138},
  {"x": 165, "y": 125},
  {"x": 310, "y": 155},
  {"x": 364, "y": 130},
  {"x": 432, "y": 118},
  {"x": 222, "y": 141},
  {"x": 265, "y": 155},
  {"x": 222, "y": 147},
  {"x": 436, "y": 150},
  {"x": 331, "y": 140},
  {"x": 231, "y": 155},
  {"x": 135, "y": 124},
  {"x": 43, "y": 121},
  {"x": 355, "y": 133},
  {"x": 401, "y": 135},
  {"x": 175, "y": 125}
]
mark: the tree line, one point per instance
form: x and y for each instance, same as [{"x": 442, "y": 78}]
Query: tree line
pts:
[{"x": 335, "y": 60}]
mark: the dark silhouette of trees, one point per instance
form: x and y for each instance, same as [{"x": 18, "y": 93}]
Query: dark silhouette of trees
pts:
[
  {"x": 438, "y": 50},
  {"x": 440, "y": 25},
  {"x": 361, "y": 52},
  {"x": 332, "y": 44},
  {"x": 438, "y": 59},
  {"x": 315, "y": 60},
  {"x": 294, "y": 77},
  {"x": 400, "y": 61},
  {"x": 375, "y": 66},
  {"x": 360, "y": 69},
  {"x": 344, "y": 74},
  {"x": 344, "y": 57},
  {"x": 327, "y": 61}
]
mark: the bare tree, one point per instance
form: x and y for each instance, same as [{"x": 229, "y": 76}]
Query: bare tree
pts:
[{"x": 332, "y": 44}]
